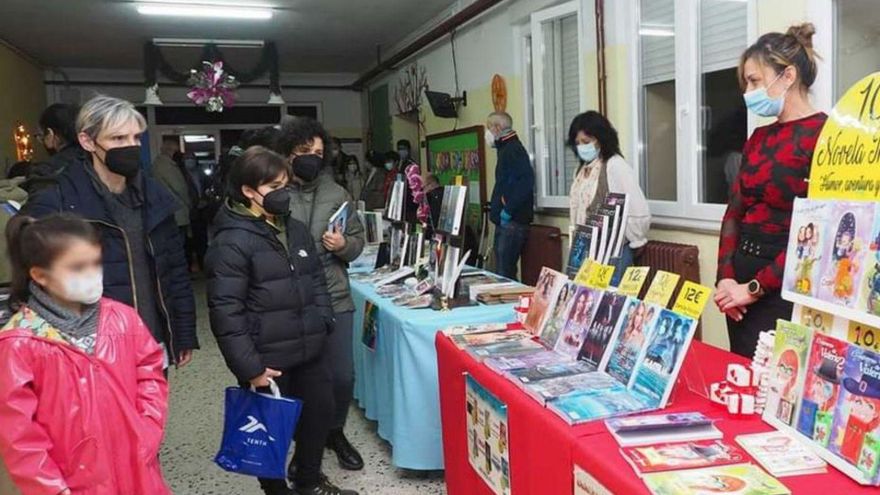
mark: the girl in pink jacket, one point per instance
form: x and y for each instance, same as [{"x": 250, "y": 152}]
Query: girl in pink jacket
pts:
[{"x": 83, "y": 398}]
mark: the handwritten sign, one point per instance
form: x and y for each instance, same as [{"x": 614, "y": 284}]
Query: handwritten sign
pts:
[
  {"x": 692, "y": 299},
  {"x": 819, "y": 321},
  {"x": 632, "y": 281},
  {"x": 864, "y": 336},
  {"x": 583, "y": 274},
  {"x": 846, "y": 160},
  {"x": 661, "y": 288},
  {"x": 600, "y": 276}
]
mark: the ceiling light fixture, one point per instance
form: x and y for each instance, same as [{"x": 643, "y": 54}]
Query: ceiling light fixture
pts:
[{"x": 204, "y": 11}]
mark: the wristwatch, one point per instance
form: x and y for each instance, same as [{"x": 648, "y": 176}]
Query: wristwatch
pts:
[{"x": 754, "y": 288}]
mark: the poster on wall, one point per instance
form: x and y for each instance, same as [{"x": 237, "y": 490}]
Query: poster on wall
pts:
[
  {"x": 487, "y": 436},
  {"x": 461, "y": 153}
]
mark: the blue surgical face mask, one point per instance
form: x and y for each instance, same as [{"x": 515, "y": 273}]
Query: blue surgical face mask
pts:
[
  {"x": 587, "y": 152},
  {"x": 761, "y": 104}
]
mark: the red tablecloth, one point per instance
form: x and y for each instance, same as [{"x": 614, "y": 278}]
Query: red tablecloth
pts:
[{"x": 544, "y": 448}]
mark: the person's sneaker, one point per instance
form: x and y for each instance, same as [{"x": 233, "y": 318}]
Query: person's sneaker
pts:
[
  {"x": 348, "y": 456},
  {"x": 324, "y": 488}
]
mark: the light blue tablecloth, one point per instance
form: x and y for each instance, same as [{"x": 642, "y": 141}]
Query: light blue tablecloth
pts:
[{"x": 396, "y": 384}]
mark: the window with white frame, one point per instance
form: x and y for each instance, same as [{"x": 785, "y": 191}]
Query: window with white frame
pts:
[
  {"x": 557, "y": 96},
  {"x": 857, "y": 42},
  {"x": 692, "y": 120}
]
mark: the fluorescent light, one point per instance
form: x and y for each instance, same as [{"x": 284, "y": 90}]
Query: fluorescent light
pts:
[
  {"x": 656, "y": 32},
  {"x": 198, "y": 138},
  {"x": 205, "y": 11}
]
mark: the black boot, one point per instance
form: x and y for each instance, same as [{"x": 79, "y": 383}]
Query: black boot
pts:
[
  {"x": 324, "y": 488},
  {"x": 275, "y": 487},
  {"x": 348, "y": 456}
]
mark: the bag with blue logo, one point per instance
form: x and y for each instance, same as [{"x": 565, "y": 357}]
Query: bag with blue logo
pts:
[{"x": 257, "y": 432}]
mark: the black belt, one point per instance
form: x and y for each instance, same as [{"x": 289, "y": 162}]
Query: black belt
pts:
[{"x": 760, "y": 248}]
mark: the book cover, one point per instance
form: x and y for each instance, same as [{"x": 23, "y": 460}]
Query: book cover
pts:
[
  {"x": 629, "y": 341},
  {"x": 547, "y": 289},
  {"x": 487, "y": 436},
  {"x": 740, "y": 479},
  {"x": 504, "y": 364},
  {"x": 339, "y": 219},
  {"x": 558, "y": 315},
  {"x": 787, "y": 371},
  {"x": 682, "y": 455},
  {"x": 460, "y": 201},
  {"x": 596, "y": 224},
  {"x": 579, "y": 250},
  {"x": 508, "y": 348},
  {"x": 473, "y": 339},
  {"x": 370, "y": 328},
  {"x": 652, "y": 422},
  {"x": 781, "y": 454},
  {"x": 856, "y": 428},
  {"x": 553, "y": 388},
  {"x": 603, "y": 222},
  {"x": 586, "y": 484},
  {"x": 869, "y": 293},
  {"x": 809, "y": 219},
  {"x": 821, "y": 387},
  {"x": 544, "y": 372},
  {"x": 619, "y": 200},
  {"x": 589, "y": 405},
  {"x": 578, "y": 320},
  {"x": 613, "y": 214},
  {"x": 658, "y": 366},
  {"x": 605, "y": 323},
  {"x": 444, "y": 210},
  {"x": 847, "y": 236},
  {"x": 480, "y": 328}
]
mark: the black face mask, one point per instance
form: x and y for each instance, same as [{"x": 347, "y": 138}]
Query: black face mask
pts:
[
  {"x": 125, "y": 160},
  {"x": 307, "y": 167},
  {"x": 277, "y": 202}
]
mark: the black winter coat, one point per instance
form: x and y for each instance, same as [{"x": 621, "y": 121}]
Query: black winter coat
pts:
[
  {"x": 269, "y": 307},
  {"x": 74, "y": 192}
]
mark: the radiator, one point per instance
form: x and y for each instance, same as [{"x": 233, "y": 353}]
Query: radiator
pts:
[{"x": 670, "y": 257}]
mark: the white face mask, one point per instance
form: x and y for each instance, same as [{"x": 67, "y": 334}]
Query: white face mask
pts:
[
  {"x": 490, "y": 138},
  {"x": 85, "y": 288}
]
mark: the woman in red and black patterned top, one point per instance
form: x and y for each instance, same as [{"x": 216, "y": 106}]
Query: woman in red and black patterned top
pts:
[{"x": 776, "y": 74}]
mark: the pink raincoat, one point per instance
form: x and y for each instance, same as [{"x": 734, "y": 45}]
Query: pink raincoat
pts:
[{"x": 90, "y": 423}]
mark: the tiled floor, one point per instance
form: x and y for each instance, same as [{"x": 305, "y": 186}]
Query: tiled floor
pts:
[{"x": 196, "y": 423}]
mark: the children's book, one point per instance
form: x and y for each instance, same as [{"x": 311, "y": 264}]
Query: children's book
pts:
[
  {"x": 579, "y": 318},
  {"x": 741, "y": 479},
  {"x": 339, "y": 219},
  {"x": 544, "y": 372},
  {"x": 646, "y": 429},
  {"x": 550, "y": 282},
  {"x": 661, "y": 359},
  {"x": 579, "y": 250},
  {"x": 588, "y": 405},
  {"x": 805, "y": 246},
  {"x": 682, "y": 455},
  {"x": 604, "y": 325},
  {"x": 553, "y": 388},
  {"x": 627, "y": 344},
  {"x": 821, "y": 388},
  {"x": 847, "y": 236},
  {"x": 558, "y": 315},
  {"x": 869, "y": 296},
  {"x": 787, "y": 372},
  {"x": 856, "y": 428},
  {"x": 781, "y": 454}
]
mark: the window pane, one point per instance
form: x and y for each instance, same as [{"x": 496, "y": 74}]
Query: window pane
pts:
[
  {"x": 658, "y": 124},
  {"x": 561, "y": 85},
  {"x": 723, "y": 121},
  {"x": 857, "y": 49}
]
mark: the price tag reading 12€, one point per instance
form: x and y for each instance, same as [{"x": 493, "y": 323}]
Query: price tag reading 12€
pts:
[
  {"x": 692, "y": 299},
  {"x": 661, "y": 288},
  {"x": 632, "y": 281},
  {"x": 600, "y": 276}
]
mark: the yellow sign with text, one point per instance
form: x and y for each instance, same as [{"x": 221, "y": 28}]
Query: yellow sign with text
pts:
[
  {"x": 583, "y": 274},
  {"x": 692, "y": 299},
  {"x": 846, "y": 160},
  {"x": 661, "y": 288},
  {"x": 632, "y": 281},
  {"x": 600, "y": 276},
  {"x": 864, "y": 336}
]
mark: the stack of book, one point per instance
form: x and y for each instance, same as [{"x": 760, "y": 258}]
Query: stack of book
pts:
[{"x": 603, "y": 236}]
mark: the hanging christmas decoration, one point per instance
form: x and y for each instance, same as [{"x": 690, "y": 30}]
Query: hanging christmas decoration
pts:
[
  {"x": 24, "y": 144},
  {"x": 212, "y": 87}
]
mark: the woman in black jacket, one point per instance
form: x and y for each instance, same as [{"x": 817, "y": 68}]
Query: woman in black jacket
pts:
[{"x": 269, "y": 306}]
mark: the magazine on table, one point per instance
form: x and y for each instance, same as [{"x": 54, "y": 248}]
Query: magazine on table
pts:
[
  {"x": 339, "y": 219},
  {"x": 682, "y": 455},
  {"x": 662, "y": 357},
  {"x": 781, "y": 454},
  {"x": 746, "y": 479},
  {"x": 662, "y": 428},
  {"x": 543, "y": 357},
  {"x": 396, "y": 275},
  {"x": 553, "y": 388},
  {"x": 558, "y": 315},
  {"x": 626, "y": 345},
  {"x": 481, "y": 328},
  {"x": 542, "y": 372},
  {"x": 588, "y": 405},
  {"x": 550, "y": 282},
  {"x": 504, "y": 349},
  {"x": 603, "y": 327},
  {"x": 581, "y": 308},
  {"x": 787, "y": 371},
  {"x": 473, "y": 339}
]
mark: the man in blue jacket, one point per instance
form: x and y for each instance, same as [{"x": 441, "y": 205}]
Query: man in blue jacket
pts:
[
  {"x": 513, "y": 196},
  {"x": 144, "y": 262}
]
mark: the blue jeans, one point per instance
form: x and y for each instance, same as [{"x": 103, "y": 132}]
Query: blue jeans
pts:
[
  {"x": 509, "y": 242},
  {"x": 621, "y": 263}
]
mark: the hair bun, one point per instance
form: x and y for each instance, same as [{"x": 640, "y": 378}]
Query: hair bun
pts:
[{"x": 803, "y": 33}]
